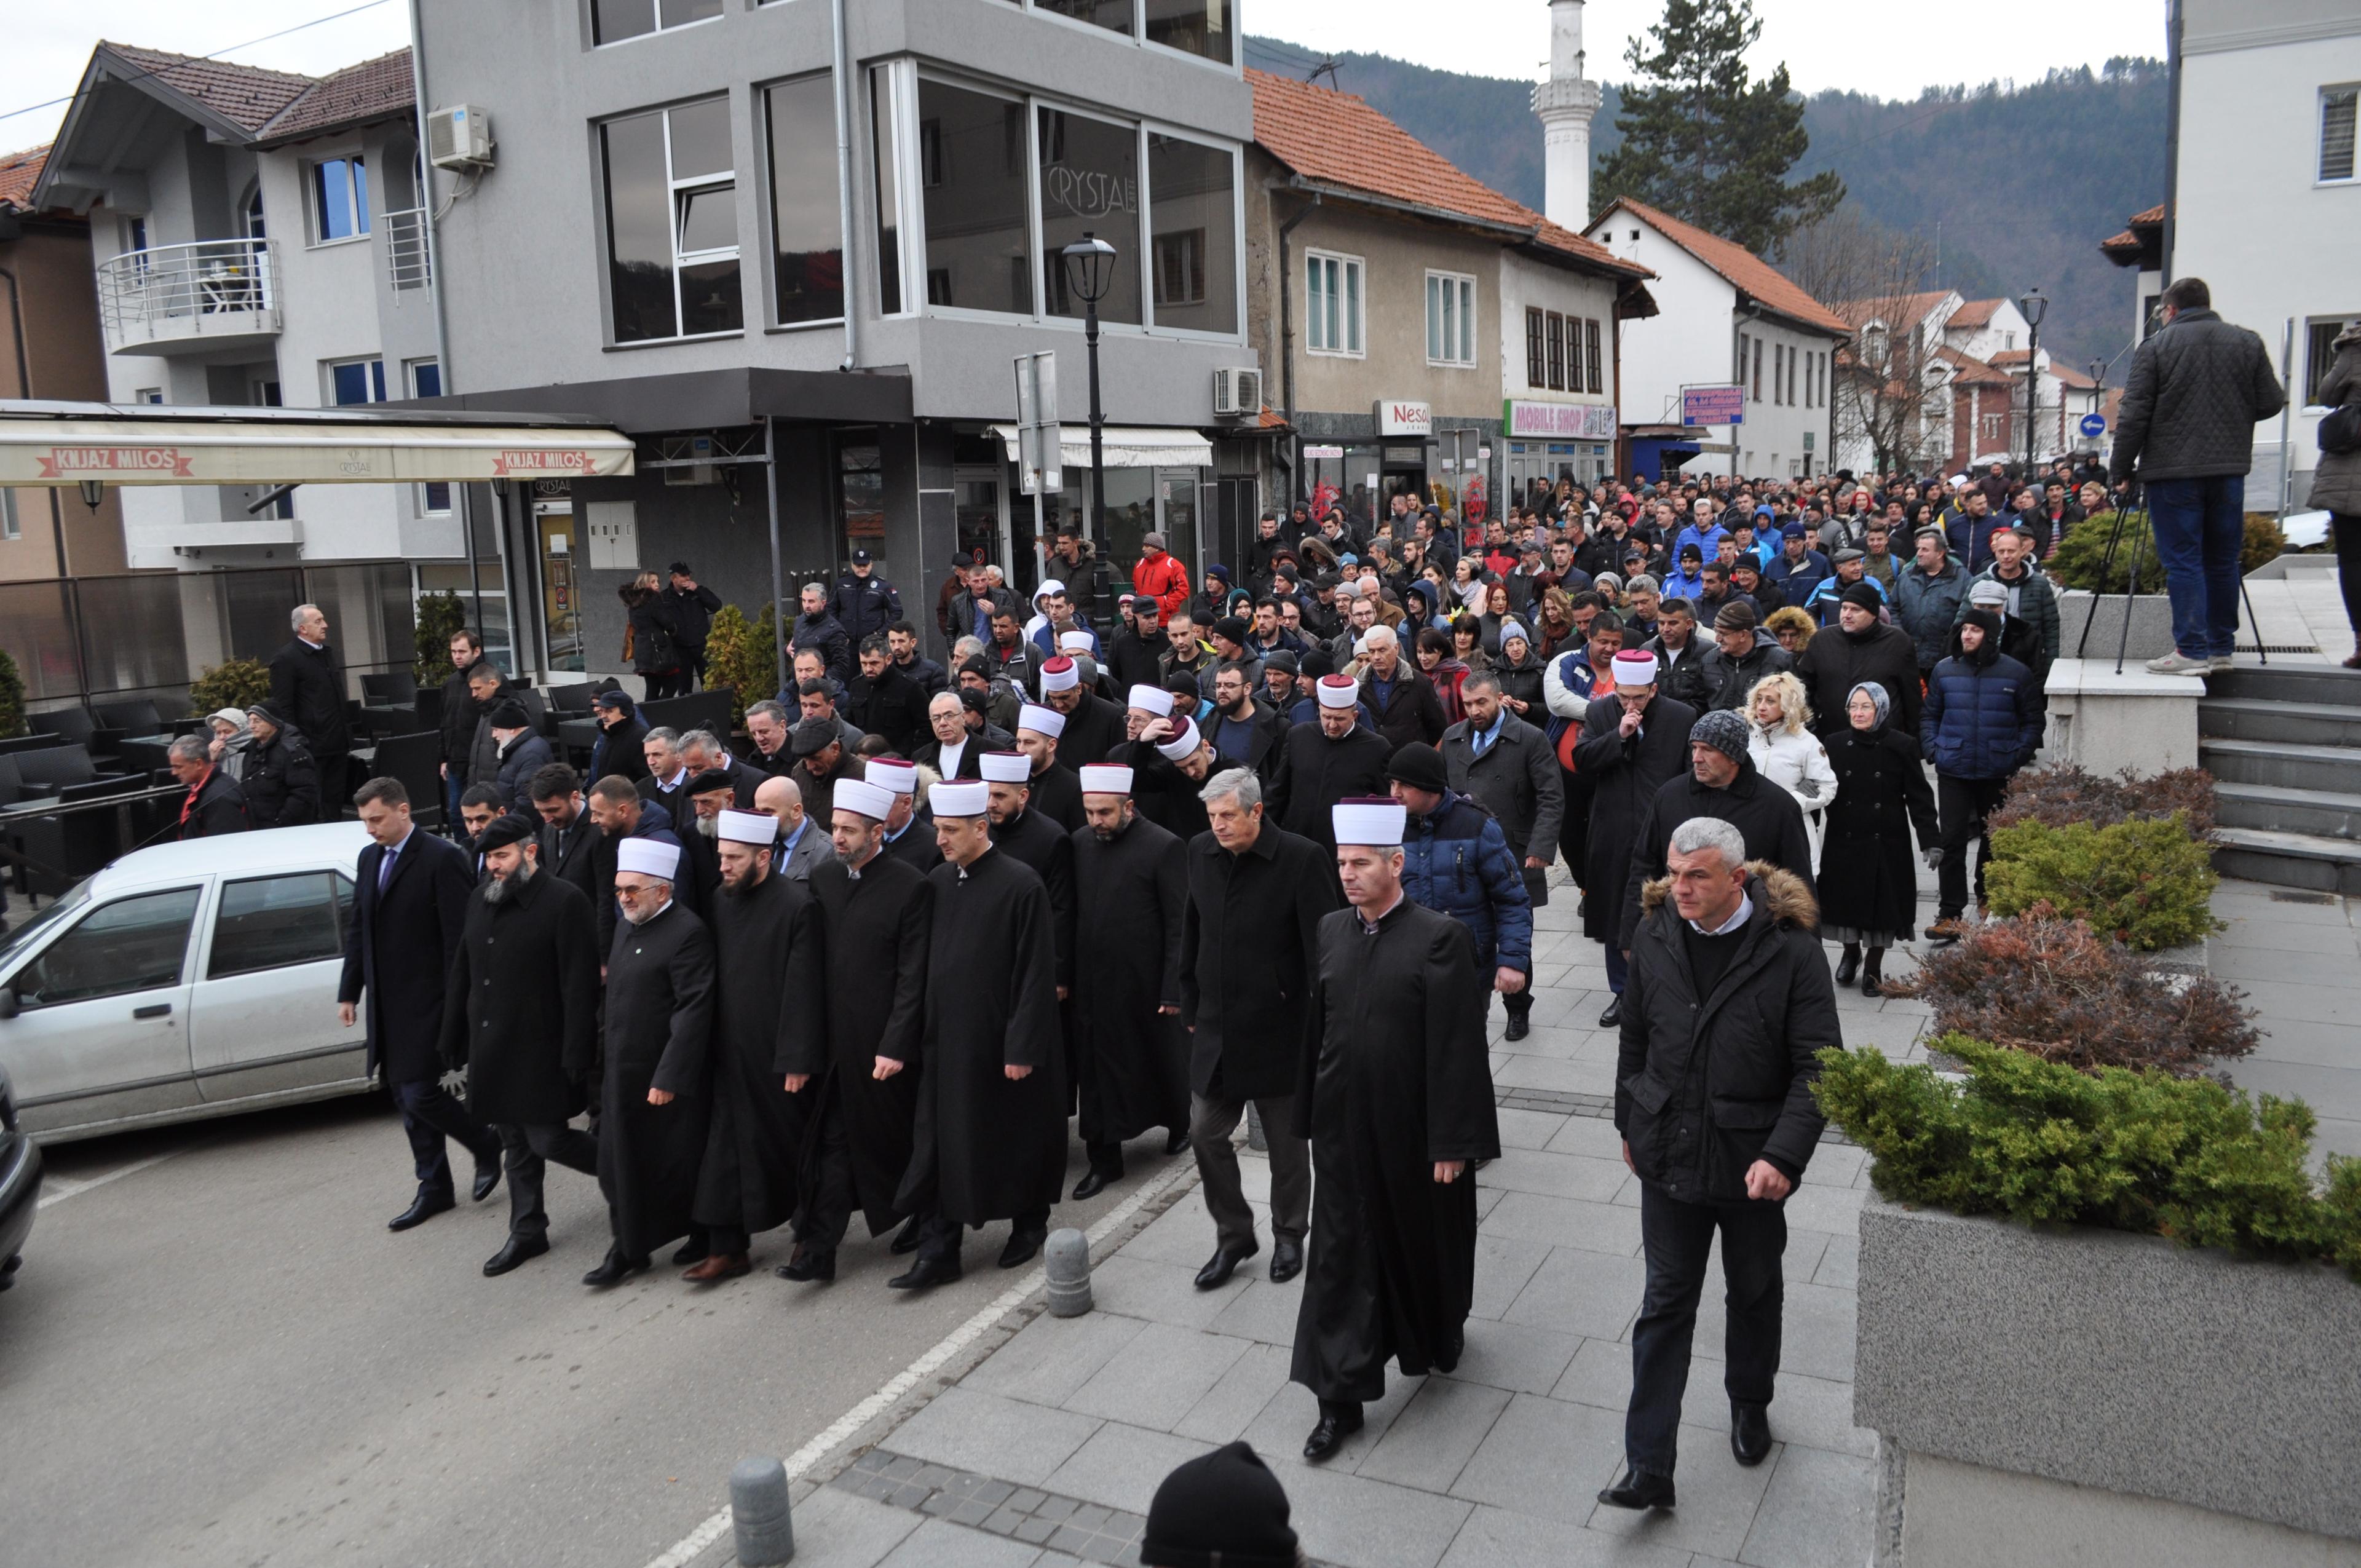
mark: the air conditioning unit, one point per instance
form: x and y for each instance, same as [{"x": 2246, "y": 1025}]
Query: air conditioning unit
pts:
[
  {"x": 1237, "y": 394},
  {"x": 688, "y": 449},
  {"x": 459, "y": 137}
]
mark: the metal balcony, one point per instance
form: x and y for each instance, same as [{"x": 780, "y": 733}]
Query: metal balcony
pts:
[
  {"x": 408, "y": 262},
  {"x": 203, "y": 297}
]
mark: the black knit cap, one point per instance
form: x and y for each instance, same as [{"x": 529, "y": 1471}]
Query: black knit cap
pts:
[
  {"x": 1222, "y": 1510},
  {"x": 1420, "y": 766},
  {"x": 1864, "y": 595},
  {"x": 511, "y": 714}
]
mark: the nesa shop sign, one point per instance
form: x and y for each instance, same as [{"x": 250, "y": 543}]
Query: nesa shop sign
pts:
[{"x": 1404, "y": 418}]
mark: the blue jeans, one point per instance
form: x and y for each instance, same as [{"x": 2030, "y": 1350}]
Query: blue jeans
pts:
[
  {"x": 2200, "y": 527},
  {"x": 453, "y": 786}
]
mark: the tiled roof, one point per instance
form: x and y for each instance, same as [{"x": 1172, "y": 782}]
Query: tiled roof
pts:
[
  {"x": 2153, "y": 215},
  {"x": 2068, "y": 376},
  {"x": 2125, "y": 247},
  {"x": 2009, "y": 357},
  {"x": 1744, "y": 270},
  {"x": 1900, "y": 312},
  {"x": 245, "y": 96},
  {"x": 1969, "y": 370},
  {"x": 371, "y": 90},
  {"x": 1974, "y": 313},
  {"x": 19, "y": 172},
  {"x": 1337, "y": 139}
]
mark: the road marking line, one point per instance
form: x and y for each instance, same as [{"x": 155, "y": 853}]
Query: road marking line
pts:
[
  {"x": 686, "y": 1549},
  {"x": 58, "y": 1195}
]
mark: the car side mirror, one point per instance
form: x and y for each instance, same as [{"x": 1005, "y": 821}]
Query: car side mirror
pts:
[{"x": 8, "y": 1000}]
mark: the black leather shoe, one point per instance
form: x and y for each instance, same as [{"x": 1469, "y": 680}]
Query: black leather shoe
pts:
[
  {"x": 422, "y": 1208},
  {"x": 906, "y": 1238},
  {"x": 517, "y": 1250},
  {"x": 1849, "y": 963},
  {"x": 1613, "y": 1015},
  {"x": 927, "y": 1271},
  {"x": 1286, "y": 1260},
  {"x": 1023, "y": 1245},
  {"x": 1222, "y": 1265},
  {"x": 1338, "y": 1422},
  {"x": 1092, "y": 1184},
  {"x": 1749, "y": 1432},
  {"x": 694, "y": 1250},
  {"x": 614, "y": 1270},
  {"x": 809, "y": 1262},
  {"x": 1520, "y": 1025},
  {"x": 1175, "y": 1140},
  {"x": 1640, "y": 1489},
  {"x": 1872, "y": 976},
  {"x": 488, "y": 1175}
]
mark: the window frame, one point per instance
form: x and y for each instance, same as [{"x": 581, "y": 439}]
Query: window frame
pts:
[
  {"x": 356, "y": 193},
  {"x": 179, "y": 977},
  {"x": 2351, "y": 91},
  {"x": 1536, "y": 347},
  {"x": 1457, "y": 294},
  {"x": 1592, "y": 355},
  {"x": 374, "y": 381},
  {"x": 675, "y": 211},
  {"x": 656, "y": 8},
  {"x": 10, "y": 525},
  {"x": 766, "y": 204},
  {"x": 1353, "y": 322},
  {"x": 2320, "y": 331},
  {"x": 341, "y": 889},
  {"x": 1553, "y": 346},
  {"x": 412, "y": 370}
]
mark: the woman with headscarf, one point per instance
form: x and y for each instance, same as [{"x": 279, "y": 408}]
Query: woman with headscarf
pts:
[
  {"x": 1780, "y": 741},
  {"x": 1869, "y": 889},
  {"x": 1519, "y": 667}
]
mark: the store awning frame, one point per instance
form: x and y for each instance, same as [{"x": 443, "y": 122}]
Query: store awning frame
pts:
[{"x": 1122, "y": 446}]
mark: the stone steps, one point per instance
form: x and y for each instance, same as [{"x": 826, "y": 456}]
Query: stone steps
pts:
[
  {"x": 2290, "y": 860},
  {"x": 2284, "y": 746}
]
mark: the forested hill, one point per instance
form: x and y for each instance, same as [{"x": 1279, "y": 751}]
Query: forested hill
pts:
[{"x": 2024, "y": 182}]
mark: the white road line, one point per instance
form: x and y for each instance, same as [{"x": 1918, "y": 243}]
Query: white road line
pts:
[
  {"x": 686, "y": 1549},
  {"x": 58, "y": 1194}
]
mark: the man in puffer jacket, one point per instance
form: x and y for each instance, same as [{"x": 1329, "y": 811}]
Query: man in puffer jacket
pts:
[
  {"x": 1457, "y": 862},
  {"x": 1981, "y": 722}
]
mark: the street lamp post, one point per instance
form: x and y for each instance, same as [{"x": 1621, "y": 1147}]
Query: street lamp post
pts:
[
  {"x": 1090, "y": 263},
  {"x": 2035, "y": 307}
]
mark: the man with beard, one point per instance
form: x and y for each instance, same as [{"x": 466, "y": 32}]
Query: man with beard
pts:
[
  {"x": 1631, "y": 743},
  {"x": 801, "y": 843},
  {"x": 1244, "y": 733},
  {"x": 1054, "y": 791},
  {"x": 989, "y": 1138},
  {"x": 874, "y": 910},
  {"x": 1395, "y": 1095},
  {"x": 1322, "y": 763},
  {"x": 769, "y": 1042},
  {"x": 882, "y": 700},
  {"x": 569, "y": 839},
  {"x": 709, "y": 794},
  {"x": 521, "y": 1015},
  {"x": 654, "y": 1104},
  {"x": 1131, "y": 882},
  {"x": 1033, "y": 839},
  {"x": 1094, "y": 727},
  {"x": 908, "y": 833},
  {"x": 1720, "y": 782},
  {"x": 478, "y": 803}
]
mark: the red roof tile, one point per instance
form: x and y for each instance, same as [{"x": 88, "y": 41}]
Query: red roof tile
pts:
[
  {"x": 1969, "y": 370},
  {"x": 1337, "y": 139},
  {"x": 1974, "y": 313},
  {"x": 1900, "y": 312},
  {"x": 372, "y": 90},
  {"x": 2068, "y": 376},
  {"x": 19, "y": 172},
  {"x": 2011, "y": 357},
  {"x": 1744, "y": 270},
  {"x": 245, "y": 96}
]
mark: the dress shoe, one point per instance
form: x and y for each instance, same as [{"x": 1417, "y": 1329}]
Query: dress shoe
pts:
[
  {"x": 1223, "y": 1263},
  {"x": 1175, "y": 1140},
  {"x": 1286, "y": 1260},
  {"x": 1639, "y": 1489},
  {"x": 809, "y": 1262},
  {"x": 907, "y": 1239},
  {"x": 1338, "y": 1422},
  {"x": 1849, "y": 963},
  {"x": 1092, "y": 1184},
  {"x": 694, "y": 1250},
  {"x": 517, "y": 1250},
  {"x": 614, "y": 1269},
  {"x": 1873, "y": 973},
  {"x": 422, "y": 1208},
  {"x": 488, "y": 1175},
  {"x": 927, "y": 1271},
  {"x": 1520, "y": 1025},
  {"x": 720, "y": 1266},
  {"x": 1023, "y": 1246},
  {"x": 1749, "y": 1432},
  {"x": 1614, "y": 1014}
]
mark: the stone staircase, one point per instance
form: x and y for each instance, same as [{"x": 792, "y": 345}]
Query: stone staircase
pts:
[{"x": 2283, "y": 743}]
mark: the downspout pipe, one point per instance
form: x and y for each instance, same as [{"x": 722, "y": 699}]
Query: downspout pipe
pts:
[
  {"x": 1287, "y": 336},
  {"x": 843, "y": 187}
]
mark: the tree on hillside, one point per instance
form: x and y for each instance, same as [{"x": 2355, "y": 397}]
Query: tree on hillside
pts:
[{"x": 1703, "y": 141}]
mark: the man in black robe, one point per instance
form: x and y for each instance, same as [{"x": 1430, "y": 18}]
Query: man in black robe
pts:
[
  {"x": 655, "y": 1101},
  {"x": 1631, "y": 741},
  {"x": 1131, "y": 884},
  {"x": 1396, "y": 1096},
  {"x": 1094, "y": 727},
  {"x": 908, "y": 833},
  {"x": 1169, "y": 761},
  {"x": 1339, "y": 758},
  {"x": 1054, "y": 791},
  {"x": 989, "y": 1141},
  {"x": 521, "y": 1014},
  {"x": 874, "y": 910},
  {"x": 1029, "y": 836},
  {"x": 769, "y": 1042}
]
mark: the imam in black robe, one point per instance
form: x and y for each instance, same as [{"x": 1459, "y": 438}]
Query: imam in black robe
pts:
[
  {"x": 1044, "y": 846},
  {"x": 769, "y": 1020},
  {"x": 659, "y": 1020},
  {"x": 1094, "y": 730},
  {"x": 521, "y": 1006},
  {"x": 985, "y": 1146},
  {"x": 876, "y": 939},
  {"x": 1057, "y": 794},
  {"x": 1133, "y": 1061},
  {"x": 1164, "y": 795},
  {"x": 1395, "y": 1077},
  {"x": 915, "y": 847},
  {"x": 1621, "y": 775}
]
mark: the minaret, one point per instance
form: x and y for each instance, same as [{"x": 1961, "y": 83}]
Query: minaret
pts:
[{"x": 1565, "y": 103}]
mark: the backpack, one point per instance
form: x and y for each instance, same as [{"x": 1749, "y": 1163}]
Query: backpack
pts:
[{"x": 2339, "y": 432}]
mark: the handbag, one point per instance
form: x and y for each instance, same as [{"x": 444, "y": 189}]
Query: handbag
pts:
[{"x": 2339, "y": 432}]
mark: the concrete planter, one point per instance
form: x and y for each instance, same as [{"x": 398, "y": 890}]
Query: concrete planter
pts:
[
  {"x": 2088, "y": 1396},
  {"x": 2106, "y": 722},
  {"x": 2151, "y": 633}
]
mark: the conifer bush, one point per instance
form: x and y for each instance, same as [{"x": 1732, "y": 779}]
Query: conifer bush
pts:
[{"x": 2146, "y": 882}]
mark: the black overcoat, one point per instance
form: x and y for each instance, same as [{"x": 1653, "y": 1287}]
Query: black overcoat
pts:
[
  {"x": 280, "y": 783},
  {"x": 1765, "y": 816},
  {"x": 1249, "y": 944},
  {"x": 1620, "y": 777},
  {"x": 1132, "y": 1060},
  {"x": 571, "y": 854},
  {"x": 770, "y": 1019},
  {"x": 307, "y": 684},
  {"x": 1868, "y": 879},
  {"x": 1395, "y": 1077},
  {"x": 659, "y": 1027},
  {"x": 1056, "y": 792},
  {"x": 916, "y": 848},
  {"x": 1041, "y": 844},
  {"x": 1315, "y": 773},
  {"x": 876, "y": 940},
  {"x": 1094, "y": 730},
  {"x": 521, "y": 1010},
  {"x": 400, "y": 948},
  {"x": 1165, "y": 796}
]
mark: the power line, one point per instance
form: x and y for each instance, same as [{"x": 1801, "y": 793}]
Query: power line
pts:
[{"x": 217, "y": 54}]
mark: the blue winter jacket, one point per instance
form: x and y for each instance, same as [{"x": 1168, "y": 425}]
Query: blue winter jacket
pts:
[
  {"x": 1982, "y": 720},
  {"x": 1455, "y": 861}
]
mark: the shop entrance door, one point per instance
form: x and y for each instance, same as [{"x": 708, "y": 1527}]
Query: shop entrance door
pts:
[
  {"x": 561, "y": 595},
  {"x": 981, "y": 507}
]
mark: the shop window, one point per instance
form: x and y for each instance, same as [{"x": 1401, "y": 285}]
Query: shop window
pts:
[
  {"x": 1332, "y": 296},
  {"x": 1206, "y": 28},
  {"x": 979, "y": 248},
  {"x": 467, "y": 580},
  {"x": 1536, "y": 347},
  {"x": 1090, "y": 184},
  {"x": 807, "y": 223},
  {"x": 860, "y": 498},
  {"x": 1450, "y": 319},
  {"x": 672, "y": 223},
  {"x": 340, "y": 205},
  {"x": 612, "y": 21},
  {"x": 1192, "y": 214}
]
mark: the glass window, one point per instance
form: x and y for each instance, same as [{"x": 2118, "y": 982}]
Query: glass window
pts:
[
  {"x": 971, "y": 153},
  {"x": 357, "y": 381},
  {"x": 1450, "y": 319},
  {"x": 9, "y": 527},
  {"x": 1332, "y": 303},
  {"x": 1090, "y": 184},
  {"x": 1778, "y": 373},
  {"x": 1536, "y": 351},
  {"x": 1201, "y": 27},
  {"x": 614, "y": 20},
  {"x": 861, "y": 493},
  {"x": 132, "y": 944},
  {"x": 1115, "y": 15},
  {"x": 2336, "y": 122},
  {"x": 2319, "y": 355},
  {"x": 1192, "y": 213},
  {"x": 672, "y": 223},
  {"x": 1591, "y": 356},
  {"x": 806, "y": 226},
  {"x": 272, "y": 922},
  {"x": 883, "y": 141},
  {"x": 340, "y": 197},
  {"x": 1557, "y": 355},
  {"x": 426, "y": 381}
]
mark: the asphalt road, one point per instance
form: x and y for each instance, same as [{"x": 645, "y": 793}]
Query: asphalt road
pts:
[{"x": 224, "y": 1358}]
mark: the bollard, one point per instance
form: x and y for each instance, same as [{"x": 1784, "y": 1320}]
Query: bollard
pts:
[
  {"x": 758, "y": 1513},
  {"x": 1255, "y": 1139},
  {"x": 1067, "y": 1258}
]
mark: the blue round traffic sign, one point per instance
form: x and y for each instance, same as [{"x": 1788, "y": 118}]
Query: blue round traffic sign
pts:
[{"x": 2093, "y": 425}]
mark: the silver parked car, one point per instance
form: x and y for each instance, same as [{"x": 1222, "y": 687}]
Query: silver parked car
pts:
[{"x": 184, "y": 981}]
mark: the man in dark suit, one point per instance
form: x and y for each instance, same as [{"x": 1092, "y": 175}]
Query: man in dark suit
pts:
[
  {"x": 214, "y": 804},
  {"x": 410, "y": 909},
  {"x": 704, "y": 753},
  {"x": 569, "y": 838},
  {"x": 307, "y": 684},
  {"x": 667, "y": 774}
]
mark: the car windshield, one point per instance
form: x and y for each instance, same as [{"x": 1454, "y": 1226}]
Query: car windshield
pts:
[{"x": 22, "y": 938}]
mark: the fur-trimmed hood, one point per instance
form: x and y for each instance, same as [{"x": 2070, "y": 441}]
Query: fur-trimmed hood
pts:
[{"x": 1781, "y": 892}]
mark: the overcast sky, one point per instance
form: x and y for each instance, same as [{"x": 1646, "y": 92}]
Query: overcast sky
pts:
[{"x": 1873, "y": 46}]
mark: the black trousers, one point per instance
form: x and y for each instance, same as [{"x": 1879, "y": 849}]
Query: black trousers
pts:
[
  {"x": 940, "y": 1238},
  {"x": 429, "y": 1116},
  {"x": 1676, "y": 1239},
  {"x": 526, "y": 1153},
  {"x": 824, "y": 1207},
  {"x": 1210, "y": 1124},
  {"x": 1962, "y": 804}
]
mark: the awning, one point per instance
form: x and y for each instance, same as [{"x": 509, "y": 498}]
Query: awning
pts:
[
  {"x": 1122, "y": 446},
  {"x": 283, "y": 452}
]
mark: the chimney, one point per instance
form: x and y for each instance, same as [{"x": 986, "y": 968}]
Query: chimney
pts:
[{"x": 1565, "y": 103}]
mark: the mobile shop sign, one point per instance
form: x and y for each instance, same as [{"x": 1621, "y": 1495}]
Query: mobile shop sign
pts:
[
  {"x": 1713, "y": 405},
  {"x": 1560, "y": 421}
]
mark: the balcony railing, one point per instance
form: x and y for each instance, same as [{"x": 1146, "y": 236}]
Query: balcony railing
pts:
[
  {"x": 408, "y": 259},
  {"x": 211, "y": 294}
]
